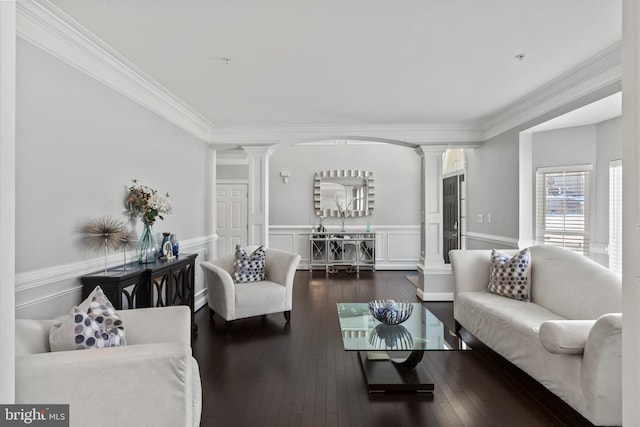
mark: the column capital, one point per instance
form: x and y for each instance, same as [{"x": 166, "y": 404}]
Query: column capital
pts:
[
  {"x": 259, "y": 150},
  {"x": 425, "y": 150}
]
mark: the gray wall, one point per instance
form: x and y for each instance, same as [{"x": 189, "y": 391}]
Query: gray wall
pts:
[
  {"x": 396, "y": 172},
  {"x": 232, "y": 172},
  {"x": 492, "y": 187},
  {"x": 492, "y": 176},
  {"x": 79, "y": 144},
  {"x": 561, "y": 147}
]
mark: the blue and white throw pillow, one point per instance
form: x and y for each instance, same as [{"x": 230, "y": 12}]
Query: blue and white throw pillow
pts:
[
  {"x": 510, "y": 276},
  {"x": 249, "y": 267}
]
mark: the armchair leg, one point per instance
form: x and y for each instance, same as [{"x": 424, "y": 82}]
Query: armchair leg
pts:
[
  {"x": 287, "y": 315},
  {"x": 227, "y": 325},
  {"x": 211, "y": 313}
]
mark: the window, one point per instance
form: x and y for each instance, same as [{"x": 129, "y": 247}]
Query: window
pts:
[
  {"x": 615, "y": 216},
  {"x": 562, "y": 207}
]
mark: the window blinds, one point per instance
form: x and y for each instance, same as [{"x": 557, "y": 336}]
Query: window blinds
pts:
[{"x": 562, "y": 207}]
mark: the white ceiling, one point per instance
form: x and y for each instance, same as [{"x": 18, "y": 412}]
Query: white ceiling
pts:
[{"x": 356, "y": 62}]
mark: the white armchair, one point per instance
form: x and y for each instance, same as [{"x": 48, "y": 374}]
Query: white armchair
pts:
[
  {"x": 152, "y": 381},
  {"x": 239, "y": 300}
]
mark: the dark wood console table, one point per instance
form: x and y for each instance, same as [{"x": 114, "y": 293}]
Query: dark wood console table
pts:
[{"x": 159, "y": 284}]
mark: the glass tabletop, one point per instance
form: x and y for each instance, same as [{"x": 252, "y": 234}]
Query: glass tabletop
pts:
[{"x": 421, "y": 331}]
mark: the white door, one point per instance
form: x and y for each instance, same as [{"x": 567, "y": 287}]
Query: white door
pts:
[{"x": 232, "y": 216}]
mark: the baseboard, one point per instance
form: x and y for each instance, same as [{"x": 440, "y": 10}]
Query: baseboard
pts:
[
  {"x": 434, "y": 296},
  {"x": 200, "y": 299}
]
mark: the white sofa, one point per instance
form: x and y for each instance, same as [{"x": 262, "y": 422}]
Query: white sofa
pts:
[
  {"x": 152, "y": 381},
  {"x": 569, "y": 337}
]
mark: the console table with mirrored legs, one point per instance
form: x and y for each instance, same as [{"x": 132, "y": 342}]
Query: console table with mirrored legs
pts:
[{"x": 353, "y": 250}]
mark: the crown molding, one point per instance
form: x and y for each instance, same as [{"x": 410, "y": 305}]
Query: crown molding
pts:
[
  {"x": 232, "y": 157},
  {"x": 410, "y": 135},
  {"x": 42, "y": 24},
  {"x": 599, "y": 71}
]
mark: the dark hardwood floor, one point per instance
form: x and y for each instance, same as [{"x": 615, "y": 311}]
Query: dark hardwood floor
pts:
[{"x": 265, "y": 372}]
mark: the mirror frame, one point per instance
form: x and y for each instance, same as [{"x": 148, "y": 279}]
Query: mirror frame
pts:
[{"x": 338, "y": 174}]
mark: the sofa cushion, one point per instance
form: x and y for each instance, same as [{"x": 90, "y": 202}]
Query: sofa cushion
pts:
[
  {"x": 511, "y": 328},
  {"x": 249, "y": 267},
  {"x": 256, "y": 298},
  {"x": 565, "y": 336},
  {"x": 510, "y": 276},
  {"x": 573, "y": 285}
]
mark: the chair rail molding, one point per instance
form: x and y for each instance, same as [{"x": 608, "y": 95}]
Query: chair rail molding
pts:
[
  {"x": 492, "y": 238},
  {"x": 44, "y": 25},
  {"x": 48, "y": 284}
]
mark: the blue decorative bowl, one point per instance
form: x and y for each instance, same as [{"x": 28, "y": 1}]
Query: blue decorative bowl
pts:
[{"x": 391, "y": 312}]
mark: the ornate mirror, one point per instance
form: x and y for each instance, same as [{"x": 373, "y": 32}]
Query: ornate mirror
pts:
[{"x": 348, "y": 190}]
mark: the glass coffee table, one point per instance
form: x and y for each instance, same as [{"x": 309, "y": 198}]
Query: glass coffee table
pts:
[{"x": 421, "y": 332}]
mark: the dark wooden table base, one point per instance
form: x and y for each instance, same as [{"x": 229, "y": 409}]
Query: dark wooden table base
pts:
[{"x": 394, "y": 376}]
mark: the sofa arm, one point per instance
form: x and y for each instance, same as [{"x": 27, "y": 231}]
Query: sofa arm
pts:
[
  {"x": 149, "y": 384},
  {"x": 565, "y": 336},
  {"x": 280, "y": 267},
  {"x": 157, "y": 324},
  {"x": 221, "y": 295},
  {"x": 602, "y": 370}
]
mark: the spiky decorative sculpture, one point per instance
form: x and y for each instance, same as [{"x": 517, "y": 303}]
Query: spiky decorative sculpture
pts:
[
  {"x": 128, "y": 240},
  {"x": 104, "y": 233}
]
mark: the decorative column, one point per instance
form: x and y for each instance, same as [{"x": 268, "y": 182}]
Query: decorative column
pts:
[
  {"x": 258, "y": 156},
  {"x": 434, "y": 277},
  {"x": 7, "y": 199},
  {"x": 211, "y": 206}
]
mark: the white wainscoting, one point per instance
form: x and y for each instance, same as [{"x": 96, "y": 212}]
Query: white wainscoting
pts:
[
  {"x": 397, "y": 246},
  {"x": 50, "y": 292}
]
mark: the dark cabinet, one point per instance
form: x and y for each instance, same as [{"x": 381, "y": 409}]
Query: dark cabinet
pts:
[{"x": 160, "y": 284}]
